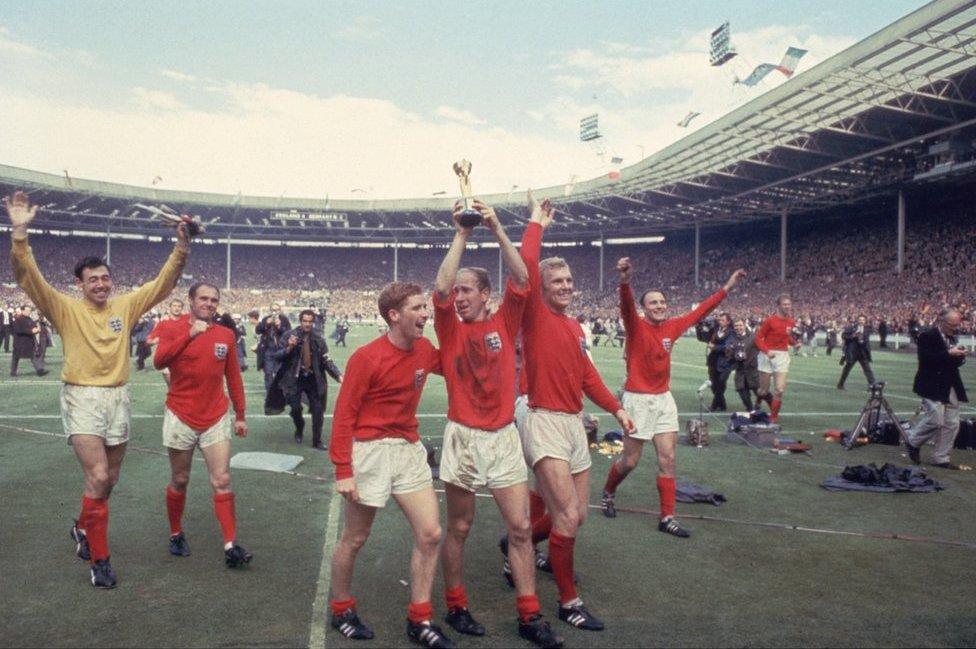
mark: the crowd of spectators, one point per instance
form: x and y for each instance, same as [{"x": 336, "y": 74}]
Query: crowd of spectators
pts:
[{"x": 836, "y": 270}]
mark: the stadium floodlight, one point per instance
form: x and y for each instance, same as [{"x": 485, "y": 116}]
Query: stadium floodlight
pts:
[{"x": 619, "y": 241}]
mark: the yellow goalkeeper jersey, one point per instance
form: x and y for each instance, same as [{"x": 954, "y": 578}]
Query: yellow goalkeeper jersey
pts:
[{"x": 95, "y": 339}]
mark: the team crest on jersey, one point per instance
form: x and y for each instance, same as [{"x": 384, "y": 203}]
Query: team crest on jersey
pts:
[
  {"x": 493, "y": 341},
  {"x": 220, "y": 351},
  {"x": 115, "y": 324},
  {"x": 667, "y": 344},
  {"x": 418, "y": 379}
]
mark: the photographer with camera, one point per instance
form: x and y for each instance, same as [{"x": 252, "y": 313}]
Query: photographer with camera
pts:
[
  {"x": 270, "y": 332},
  {"x": 717, "y": 363},
  {"x": 939, "y": 384},
  {"x": 742, "y": 355},
  {"x": 857, "y": 349}
]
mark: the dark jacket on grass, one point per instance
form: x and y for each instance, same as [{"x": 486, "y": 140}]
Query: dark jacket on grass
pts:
[
  {"x": 856, "y": 347},
  {"x": 285, "y": 384},
  {"x": 938, "y": 372}
]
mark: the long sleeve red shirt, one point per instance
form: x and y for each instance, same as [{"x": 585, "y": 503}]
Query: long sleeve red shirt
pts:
[
  {"x": 558, "y": 369},
  {"x": 649, "y": 344},
  {"x": 379, "y": 396},
  {"x": 198, "y": 368},
  {"x": 478, "y": 359},
  {"x": 775, "y": 334}
]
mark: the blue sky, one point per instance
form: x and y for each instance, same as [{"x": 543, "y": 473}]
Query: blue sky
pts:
[{"x": 311, "y": 98}]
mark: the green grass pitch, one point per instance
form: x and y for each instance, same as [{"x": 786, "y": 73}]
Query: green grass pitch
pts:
[{"x": 736, "y": 582}]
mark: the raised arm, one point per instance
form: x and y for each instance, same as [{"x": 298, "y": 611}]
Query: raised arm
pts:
[
  {"x": 712, "y": 301},
  {"x": 510, "y": 255},
  {"x": 447, "y": 272},
  {"x": 628, "y": 308},
  {"x": 152, "y": 293},
  {"x": 542, "y": 215},
  {"x": 28, "y": 275}
]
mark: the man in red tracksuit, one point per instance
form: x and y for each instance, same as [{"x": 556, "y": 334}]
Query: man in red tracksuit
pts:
[
  {"x": 559, "y": 373},
  {"x": 201, "y": 356},
  {"x": 773, "y": 339},
  {"x": 647, "y": 393},
  {"x": 377, "y": 454}
]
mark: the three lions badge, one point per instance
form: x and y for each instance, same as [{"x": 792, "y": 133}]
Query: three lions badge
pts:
[{"x": 220, "y": 351}]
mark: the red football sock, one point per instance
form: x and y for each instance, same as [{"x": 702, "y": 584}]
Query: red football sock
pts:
[
  {"x": 175, "y": 500},
  {"x": 340, "y": 606},
  {"x": 527, "y": 607},
  {"x": 83, "y": 514},
  {"x": 420, "y": 612},
  {"x": 224, "y": 511},
  {"x": 561, "y": 557},
  {"x": 537, "y": 506},
  {"x": 96, "y": 521},
  {"x": 456, "y": 597},
  {"x": 665, "y": 491},
  {"x": 614, "y": 478},
  {"x": 541, "y": 529},
  {"x": 776, "y": 404}
]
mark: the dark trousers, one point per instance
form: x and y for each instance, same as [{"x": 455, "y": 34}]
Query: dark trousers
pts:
[
  {"x": 5, "y": 338},
  {"x": 341, "y": 340},
  {"x": 143, "y": 351},
  {"x": 36, "y": 361},
  {"x": 865, "y": 365},
  {"x": 308, "y": 387},
  {"x": 719, "y": 381}
]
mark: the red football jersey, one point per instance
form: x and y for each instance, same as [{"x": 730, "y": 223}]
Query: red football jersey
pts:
[
  {"x": 775, "y": 334},
  {"x": 478, "y": 359},
  {"x": 379, "y": 396}
]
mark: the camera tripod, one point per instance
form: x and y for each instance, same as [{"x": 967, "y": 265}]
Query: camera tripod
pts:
[{"x": 871, "y": 417}]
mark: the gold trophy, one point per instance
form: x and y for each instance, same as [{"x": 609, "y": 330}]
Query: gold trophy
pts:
[{"x": 470, "y": 217}]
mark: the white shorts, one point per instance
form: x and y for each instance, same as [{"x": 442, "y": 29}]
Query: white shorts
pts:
[
  {"x": 181, "y": 437},
  {"x": 92, "y": 410},
  {"x": 473, "y": 458},
  {"x": 652, "y": 414},
  {"x": 779, "y": 365},
  {"x": 389, "y": 466},
  {"x": 521, "y": 412},
  {"x": 559, "y": 435}
]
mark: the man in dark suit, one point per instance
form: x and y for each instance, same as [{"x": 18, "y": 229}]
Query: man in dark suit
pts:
[
  {"x": 939, "y": 384},
  {"x": 25, "y": 332},
  {"x": 304, "y": 360},
  {"x": 857, "y": 349},
  {"x": 6, "y": 322}
]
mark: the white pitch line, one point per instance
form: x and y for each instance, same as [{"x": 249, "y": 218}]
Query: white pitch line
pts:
[{"x": 316, "y": 630}]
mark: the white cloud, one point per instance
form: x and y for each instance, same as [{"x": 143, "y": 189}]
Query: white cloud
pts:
[
  {"x": 569, "y": 81},
  {"x": 268, "y": 141},
  {"x": 11, "y": 47},
  {"x": 459, "y": 115},
  {"x": 363, "y": 28},
  {"x": 176, "y": 75},
  {"x": 152, "y": 99}
]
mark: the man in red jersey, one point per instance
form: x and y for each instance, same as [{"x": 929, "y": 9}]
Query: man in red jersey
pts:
[
  {"x": 647, "y": 393},
  {"x": 559, "y": 373},
  {"x": 377, "y": 453},
  {"x": 774, "y": 338},
  {"x": 174, "y": 313},
  {"x": 481, "y": 445},
  {"x": 201, "y": 356}
]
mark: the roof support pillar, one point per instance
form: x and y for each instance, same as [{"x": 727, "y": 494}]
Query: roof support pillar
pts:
[
  {"x": 227, "y": 283},
  {"x": 784, "y": 217},
  {"x": 603, "y": 244},
  {"x": 396, "y": 260},
  {"x": 697, "y": 253},
  {"x": 900, "y": 264}
]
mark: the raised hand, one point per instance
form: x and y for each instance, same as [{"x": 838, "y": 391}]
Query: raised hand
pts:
[
  {"x": 489, "y": 218},
  {"x": 456, "y": 214},
  {"x": 542, "y": 213},
  {"x": 19, "y": 209},
  {"x": 625, "y": 268},
  {"x": 734, "y": 279}
]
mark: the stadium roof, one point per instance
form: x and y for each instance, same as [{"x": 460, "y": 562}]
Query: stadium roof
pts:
[{"x": 854, "y": 126}]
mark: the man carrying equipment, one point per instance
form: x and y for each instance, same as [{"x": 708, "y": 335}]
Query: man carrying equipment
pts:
[
  {"x": 559, "y": 373},
  {"x": 774, "y": 338},
  {"x": 647, "y": 392},
  {"x": 377, "y": 453},
  {"x": 201, "y": 356},
  {"x": 95, "y": 396},
  {"x": 481, "y": 445}
]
